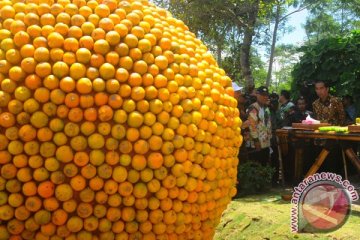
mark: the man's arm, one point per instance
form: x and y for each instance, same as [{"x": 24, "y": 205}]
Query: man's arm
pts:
[
  {"x": 315, "y": 110},
  {"x": 341, "y": 112},
  {"x": 253, "y": 120}
]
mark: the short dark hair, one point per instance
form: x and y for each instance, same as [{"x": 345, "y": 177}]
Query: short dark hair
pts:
[
  {"x": 301, "y": 98},
  {"x": 285, "y": 94},
  {"x": 322, "y": 81},
  {"x": 274, "y": 95}
]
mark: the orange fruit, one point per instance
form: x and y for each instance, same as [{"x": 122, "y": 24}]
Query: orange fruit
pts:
[
  {"x": 27, "y": 50},
  {"x": 155, "y": 160},
  {"x": 77, "y": 71},
  {"x": 13, "y": 56},
  {"x": 46, "y": 189},
  {"x": 96, "y": 60},
  {"x": 112, "y": 58},
  {"x": 162, "y": 62},
  {"x": 107, "y": 71},
  {"x": 106, "y": 24},
  {"x": 131, "y": 40},
  {"x": 16, "y": 74},
  {"x": 83, "y": 55},
  {"x": 71, "y": 44},
  {"x": 86, "y": 42},
  {"x": 61, "y": 30},
  {"x": 28, "y": 65},
  {"x": 84, "y": 85},
  {"x": 7, "y": 119},
  {"x": 101, "y": 46},
  {"x": 115, "y": 122},
  {"x": 145, "y": 45}
]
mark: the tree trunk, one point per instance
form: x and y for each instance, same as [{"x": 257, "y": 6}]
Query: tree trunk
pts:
[
  {"x": 218, "y": 54},
  {"x": 246, "y": 46},
  {"x": 273, "y": 44}
]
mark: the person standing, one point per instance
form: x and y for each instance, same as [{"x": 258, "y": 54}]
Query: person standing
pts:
[
  {"x": 285, "y": 109},
  {"x": 327, "y": 108},
  {"x": 274, "y": 106},
  {"x": 260, "y": 126}
]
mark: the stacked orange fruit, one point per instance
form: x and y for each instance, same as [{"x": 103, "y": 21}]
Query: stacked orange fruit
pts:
[{"x": 115, "y": 123}]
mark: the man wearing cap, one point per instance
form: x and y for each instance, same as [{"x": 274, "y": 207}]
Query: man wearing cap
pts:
[{"x": 260, "y": 125}]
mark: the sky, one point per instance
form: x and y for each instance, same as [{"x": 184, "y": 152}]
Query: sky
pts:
[{"x": 297, "y": 36}]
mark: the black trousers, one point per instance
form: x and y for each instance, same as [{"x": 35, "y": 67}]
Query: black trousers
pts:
[{"x": 262, "y": 156}]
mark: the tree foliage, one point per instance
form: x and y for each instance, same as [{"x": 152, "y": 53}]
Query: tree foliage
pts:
[
  {"x": 335, "y": 60},
  {"x": 222, "y": 23},
  {"x": 239, "y": 32},
  {"x": 286, "y": 56},
  {"x": 332, "y": 17}
]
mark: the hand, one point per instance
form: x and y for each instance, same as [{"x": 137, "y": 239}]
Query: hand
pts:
[{"x": 245, "y": 124}]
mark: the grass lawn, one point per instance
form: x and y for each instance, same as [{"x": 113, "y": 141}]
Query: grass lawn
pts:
[{"x": 267, "y": 216}]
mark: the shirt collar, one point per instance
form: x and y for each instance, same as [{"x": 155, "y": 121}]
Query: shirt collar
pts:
[{"x": 327, "y": 100}]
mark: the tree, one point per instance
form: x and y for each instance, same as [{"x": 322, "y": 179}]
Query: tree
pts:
[
  {"x": 222, "y": 17},
  {"x": 286, "y": 56},
  {"x": 274, "y": 39},
  {"x": 213, "y": 31},
  {"x": 280, "y": 14},
  {"x": 335, "y": 60},
  {"x": 331, "y": 18},
  {"x": 249, "y": 30}
]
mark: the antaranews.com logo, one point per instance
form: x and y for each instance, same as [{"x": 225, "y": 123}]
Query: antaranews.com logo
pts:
[{"x": 321, "y": 203}]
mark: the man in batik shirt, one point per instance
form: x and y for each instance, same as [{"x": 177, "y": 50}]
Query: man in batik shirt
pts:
[
  {"x": 328, "y": 108},
  {"x": 260, "y": 126}
]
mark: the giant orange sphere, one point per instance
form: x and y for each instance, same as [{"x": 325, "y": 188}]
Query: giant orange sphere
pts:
[{"x": 115, "y": 123}]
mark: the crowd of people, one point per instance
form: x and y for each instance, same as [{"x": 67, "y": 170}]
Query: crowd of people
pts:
[{"x": 262, "y": 113}]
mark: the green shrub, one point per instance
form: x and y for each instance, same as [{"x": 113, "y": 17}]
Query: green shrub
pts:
[{"x": 254, "y": 177}]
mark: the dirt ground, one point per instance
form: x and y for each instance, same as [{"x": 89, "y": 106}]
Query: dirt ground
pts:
[{"x": 267, "y": 216}]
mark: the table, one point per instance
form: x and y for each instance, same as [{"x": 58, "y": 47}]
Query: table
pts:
[{"x": 310, "y": 134}]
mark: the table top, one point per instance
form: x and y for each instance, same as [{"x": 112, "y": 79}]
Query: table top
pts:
[{"x": 300, "y": 133}]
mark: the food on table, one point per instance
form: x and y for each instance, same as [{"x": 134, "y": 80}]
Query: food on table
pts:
[
  {"x": 310, "y": 120},
  {"x": 337, "y": 129}
]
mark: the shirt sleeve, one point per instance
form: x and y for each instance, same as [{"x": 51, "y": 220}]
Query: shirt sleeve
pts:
[
  {"x": 253, "y": 119},
  {"x": 315, "y": 111},
  {"x": 341, "y": 112}
]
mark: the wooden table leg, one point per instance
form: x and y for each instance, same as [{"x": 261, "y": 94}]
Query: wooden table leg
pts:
[
  {"x": 298, "y": 163},
  {"x": 345, "y": 165},
  {"x": 353, "y": 158},
  {"x": 319, "y": 161},
  {"x": 281, "y": 165}
]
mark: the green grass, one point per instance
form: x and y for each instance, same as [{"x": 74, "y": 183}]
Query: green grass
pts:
[{"x": 267, "y": 216}]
